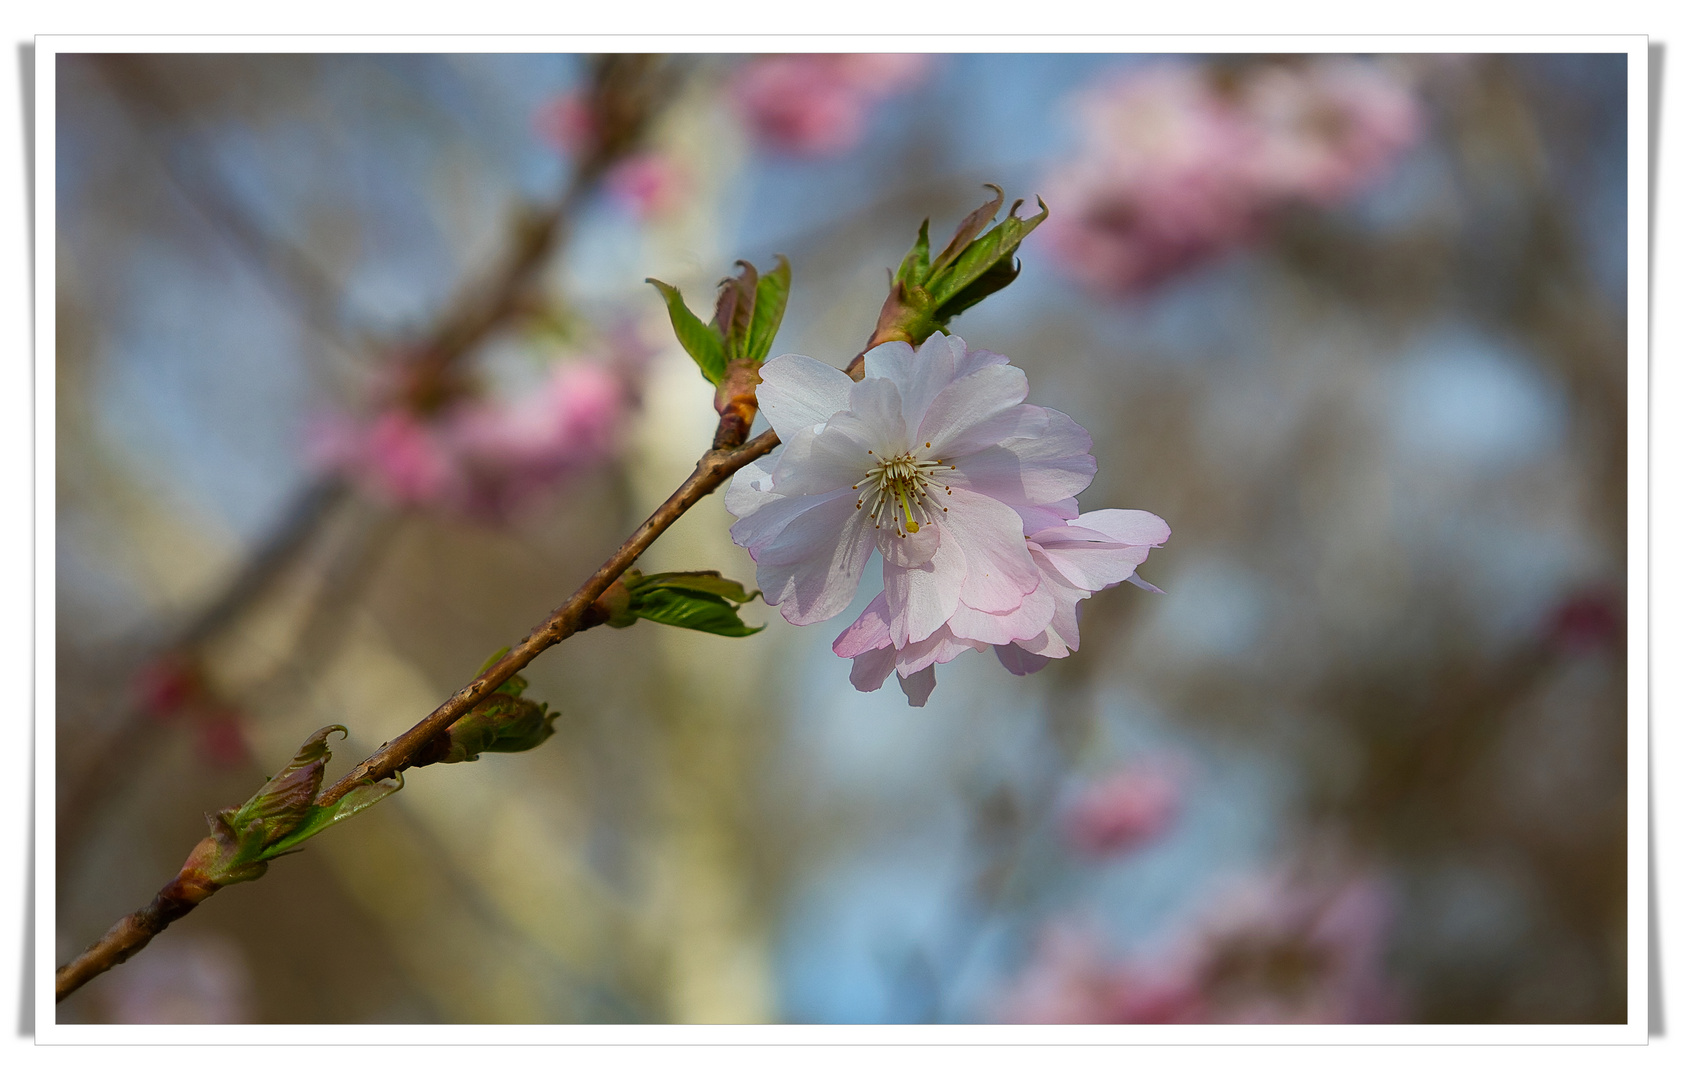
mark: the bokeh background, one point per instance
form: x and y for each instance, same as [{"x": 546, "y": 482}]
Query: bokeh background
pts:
[{"x": 358, "y": 378}]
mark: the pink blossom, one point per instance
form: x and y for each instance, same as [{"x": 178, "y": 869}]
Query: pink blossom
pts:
[
  {"x": 648, "y": 185},
  {"x": 817, "y": 105},
  {"x": 483, "y": 458},
  {"x": 510, "y": 452},
  {"x": 568, "y": 123},
  {"x": 1125, "y": 810},
  {"x": 1328, "y": 129},
  {"x": 1287, "y": 947},
  {"x": 1176, "y": 169},
  {"x": 1075, "y": 556},
  {"x": 922, "y": 461}
]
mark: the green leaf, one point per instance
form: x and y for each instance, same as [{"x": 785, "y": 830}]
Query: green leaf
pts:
[
  {"x": 771, "y": 295},
  {"x": 985, "y": 262},
  {"x": 968, "y": 229},
  {"x": 705, "y": 346},
  {"x": 708, "y": 582},
  {"x": 914, "y": 268},
  {"x": 694, "y": 610},
  {"x": 354, "y": 801}
]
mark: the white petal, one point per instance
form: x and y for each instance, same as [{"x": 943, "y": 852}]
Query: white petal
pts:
[
  {"x": 890, "y": 360},
  {"x": 971, "y": 360},
  {"x": 1140, "y": 583},
  {"x": 867, "y": 633},
  {"x": 921, "y": 598},
  {"x": 765, "y": 524},
  {"x": 1049, "y": 516},
  {"x": 750, "y": 488},
  {"x": 1016, "y": 661},
  {"x": 975, "y": 411},
  {"x": 1095, "y": 566},
  {"x": 1126, "y": 526},
  {"x": 823, "y": 579},
  {"x": 1030, "y": 619},
  {"x": 875, "y": 406},
  {"x": 913, "y": 549},
  {"x": 871, "y": 669},
  {"x": 798, "y": 392},
  {"x": 1031, "y": 471},
  {"x": 1100, "y": 548},
  {"x": 918, "y": 687},
  {"x": 999, "y": 571},
  {"x": 814, "y": 463},
  {"x": 938, "y": 648},
  {"x": 935, "y": 368},
  {"x": 820, "y": 524}
]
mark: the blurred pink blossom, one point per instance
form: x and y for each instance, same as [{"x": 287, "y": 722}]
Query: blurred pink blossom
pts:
[
  {"x": 648, "y": 185},
  {"x": 1176, "y": 167},
  {"x": 1282, "y": 948},
  {"x": 1125, "y": 810},
  {"x": 567, "y": 123},
  {"x": 1329, "y": 129},
  {"x": 480, "y": 457},
  {"x": 816, "y": 105},
  {"x": 188, "y": 980}
]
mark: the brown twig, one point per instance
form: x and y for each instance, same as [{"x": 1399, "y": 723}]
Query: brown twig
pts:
[
  {"x": 627, "y": 91},
  {"x": 132, "y": 933}
]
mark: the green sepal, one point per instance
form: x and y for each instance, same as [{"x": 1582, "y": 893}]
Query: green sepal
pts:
[
  {"x": 354, "y": 801},
  {"x": 915, "y": 266},
  {"x": 279, "y": 817},
  {"x": 771, "y": 296},
  {"x": 968, "y": 229},
  {"x": 985, "y": 266},
  {"x": 698, "y": 339}
]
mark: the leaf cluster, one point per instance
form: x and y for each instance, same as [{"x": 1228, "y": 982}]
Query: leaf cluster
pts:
[
  {"x": 746, "y": 317},
  {"x": 927, "y": 293}
]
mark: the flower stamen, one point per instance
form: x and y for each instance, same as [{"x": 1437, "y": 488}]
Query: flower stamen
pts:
[{"x": 903, "y": 495}]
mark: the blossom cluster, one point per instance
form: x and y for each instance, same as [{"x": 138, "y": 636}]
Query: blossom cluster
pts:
[
  {"x": 1281, "y": 948},
  {"x": 934, "y": 460},
  {"x": 818, "y": 105},
  {"x": 482, "y": 458},
  {"x": 1180, "y": 163}
]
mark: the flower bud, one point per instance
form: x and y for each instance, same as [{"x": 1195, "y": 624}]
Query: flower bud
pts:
[
  {"x": 504, "y": 723},
  {"x": 974, "y": 265}
]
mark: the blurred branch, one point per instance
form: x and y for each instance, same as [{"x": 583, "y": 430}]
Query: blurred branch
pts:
[
  {"x": 415, "y": 746},
  {"x": 627, "y": 92}
]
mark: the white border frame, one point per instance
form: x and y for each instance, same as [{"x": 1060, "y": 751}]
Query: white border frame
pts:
[{"x": 1635, "y": 1030}]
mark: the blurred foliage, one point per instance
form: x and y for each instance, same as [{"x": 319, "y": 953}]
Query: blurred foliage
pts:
[{"x": 1389, "y": 436}]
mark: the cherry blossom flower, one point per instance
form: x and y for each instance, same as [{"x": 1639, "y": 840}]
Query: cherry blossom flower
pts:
[
  {"x": 818, "y": 105},
  {"x": 1178, "y": 166},
  {"x": 935, "y": 461}
]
